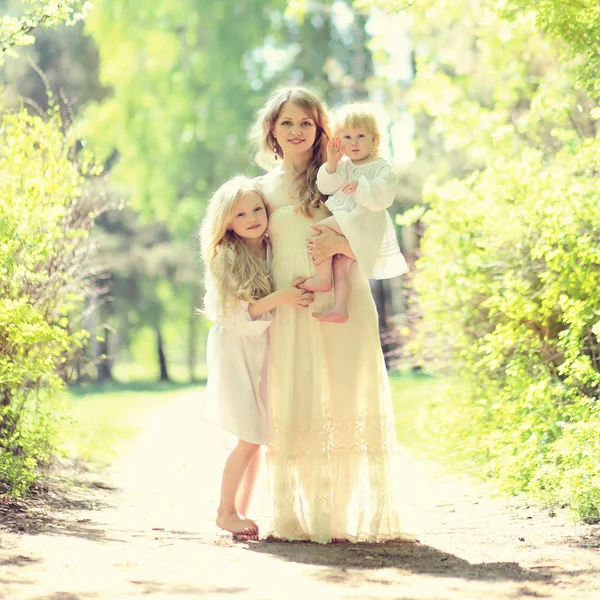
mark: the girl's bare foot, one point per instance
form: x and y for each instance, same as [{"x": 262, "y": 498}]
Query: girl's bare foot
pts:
[
  {"x": 317, "y": 284},
  {"x": 240, "y": 527},
  {"x": 332, "y": 316}
]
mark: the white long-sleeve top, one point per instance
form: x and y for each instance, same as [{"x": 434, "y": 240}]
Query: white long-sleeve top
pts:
[{"x": 363, "y": 217}]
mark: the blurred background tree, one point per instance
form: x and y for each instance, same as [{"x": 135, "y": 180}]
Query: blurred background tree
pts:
[{"x": 166, "y": 95}]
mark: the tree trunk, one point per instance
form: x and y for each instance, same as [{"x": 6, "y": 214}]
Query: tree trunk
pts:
[
  {"x": 192, "y": 339},
  {"x": 104, "y": 368},
  {"x": 162, "y": 361},
  {"x": 361, "y": 59},
  {"x": 381, "y": 295}
]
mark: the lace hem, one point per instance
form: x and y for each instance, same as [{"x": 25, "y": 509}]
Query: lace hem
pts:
[
  {"x": 360, "y": 436},
  {"x": 323, "y": 495}
]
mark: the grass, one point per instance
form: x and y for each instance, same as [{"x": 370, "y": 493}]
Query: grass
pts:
[
  {"x": 104, "y": 418},
  {"x": 135, "y": 372},
  {"x": 413, "y": 395}
]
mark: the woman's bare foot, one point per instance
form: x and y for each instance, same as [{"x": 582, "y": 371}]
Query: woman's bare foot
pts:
[
  {"x": 240, "y": 527},
  {"x": 332, "y": 316},
  {"x": 317, "y": 284}
]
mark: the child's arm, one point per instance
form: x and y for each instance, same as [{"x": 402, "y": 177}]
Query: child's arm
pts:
[
  {"x": 378, "y": 193},
  {"x": 329, "y": 180},
  {"x": 290, "y": 295},
  {"x": 328, "y": 183}
]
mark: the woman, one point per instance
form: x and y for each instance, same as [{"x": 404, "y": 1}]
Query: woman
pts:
[{"x": 329, "y": 462}]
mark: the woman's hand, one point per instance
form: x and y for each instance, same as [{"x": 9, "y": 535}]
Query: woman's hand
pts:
[
  {"x": 349, "y": 187},
  {"x": 294, "y": 296},
  {"x": 324, "y": 244},
  {"x": 334, "y": 153}
]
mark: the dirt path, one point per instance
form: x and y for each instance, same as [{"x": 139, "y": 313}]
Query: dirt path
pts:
[{"x": 153, "y": 537}]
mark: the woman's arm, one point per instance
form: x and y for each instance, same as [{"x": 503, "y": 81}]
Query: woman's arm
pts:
[
  {"x": 326, "y": 243},
  {"x": 291, "y": 295}
]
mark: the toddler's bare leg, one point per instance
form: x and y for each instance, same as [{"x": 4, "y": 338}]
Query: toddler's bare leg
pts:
[
  {"x": 338, "y": 313},
  {"x": 321, "y": 282},
  {"x": 228, "y": 517}
]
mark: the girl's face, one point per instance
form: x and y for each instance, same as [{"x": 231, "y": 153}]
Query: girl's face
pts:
[
  {"x": 294, "y": 130},
  {"x": 250, "y": 218},
  {"x": 357, "y": 144}
]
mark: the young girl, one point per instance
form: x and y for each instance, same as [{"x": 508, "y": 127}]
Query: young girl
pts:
[
  {"x": 361, "y": 185},
  {"x": 238, "y": 299}
]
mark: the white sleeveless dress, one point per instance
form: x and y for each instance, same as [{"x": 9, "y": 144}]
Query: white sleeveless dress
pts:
[{"x": 329, "y": 463}]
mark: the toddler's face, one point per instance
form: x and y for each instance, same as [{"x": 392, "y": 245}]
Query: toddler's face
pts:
[
  {"x": 250, "y": 218},
  {"x": 357, "y": 144}
]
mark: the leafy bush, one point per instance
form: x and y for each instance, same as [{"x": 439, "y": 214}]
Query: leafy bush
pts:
[
  {"x": 47, "y": 208},
  {"x": 510, "y": 281},
  {"x": 24, "y": 17}
]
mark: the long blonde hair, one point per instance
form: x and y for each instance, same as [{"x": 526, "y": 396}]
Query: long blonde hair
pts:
[
  {"x": 235, "y": 270},
  {"x": 360, "y": 115},
  {"x": 268, "y": 152}
]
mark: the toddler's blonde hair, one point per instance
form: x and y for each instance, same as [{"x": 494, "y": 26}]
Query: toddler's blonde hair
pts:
[
  {"x": 236, "y": 271},
  {"x": 357, "y": 116}
]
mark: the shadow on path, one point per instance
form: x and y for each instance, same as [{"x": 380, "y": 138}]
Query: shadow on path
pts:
[{"x": 410, "y": 557}]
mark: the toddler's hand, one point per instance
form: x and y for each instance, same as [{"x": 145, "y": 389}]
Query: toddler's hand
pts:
[
  {"x": 334, "y": 152},
  {"x": 349, "y": 187}
]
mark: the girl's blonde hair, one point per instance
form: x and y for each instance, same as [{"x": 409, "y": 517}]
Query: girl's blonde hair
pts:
[
  {"x": 235, "y": 270},
  {"x": 268, "y": 151},
  {"x": 358, "y": 116}
]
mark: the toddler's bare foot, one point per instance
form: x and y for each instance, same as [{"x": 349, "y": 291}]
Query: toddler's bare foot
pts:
[
  {"x": 317, "y": 284},
  {"x": 332, "y": 315},
  {"x": 240, "y": 527}
]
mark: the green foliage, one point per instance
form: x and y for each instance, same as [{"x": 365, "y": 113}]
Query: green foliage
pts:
[
  {"x": 46, "y": 212},
  {"x": 510, "y": 269},
  {"x": 183, "y": 99},
  {"x": 516, "y": 296},
  {"x": 577, "y": 22},
  {"x": 28, "y": 15}
]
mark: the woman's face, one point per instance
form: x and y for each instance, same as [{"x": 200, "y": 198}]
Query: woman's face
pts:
[{"x": 294, "y": 130}]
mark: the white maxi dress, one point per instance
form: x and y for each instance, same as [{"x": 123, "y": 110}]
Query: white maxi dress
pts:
[{"x": 330, "y": 462}]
